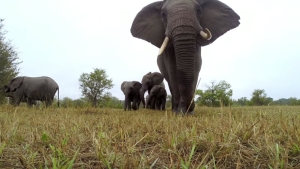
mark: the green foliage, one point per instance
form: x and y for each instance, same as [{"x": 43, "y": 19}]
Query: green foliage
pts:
[
  {"x": 107, "y": 102},
  {"x": 94, "y": 86},
  {"x": 112, "y": 102},
  {"x": 292, "y": 101},
  {"x": 215, "y": 95},
  {"x": 8, "y": 61},
  {"x": 243, "y": 101},
  {"x": 259, "y": 98}
]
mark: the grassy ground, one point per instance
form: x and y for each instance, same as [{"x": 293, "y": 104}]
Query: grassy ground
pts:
[{"x": 241, "y": 137}]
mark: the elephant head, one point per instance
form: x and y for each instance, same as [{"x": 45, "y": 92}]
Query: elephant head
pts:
[
  {"x": 179, "y": 28},
  {"x": 12, "y": 87},
  {"x": 148, "y": 81},
  {"x": 13, "y": 84}
]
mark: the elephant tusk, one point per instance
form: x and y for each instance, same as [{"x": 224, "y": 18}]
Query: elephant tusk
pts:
[
  {"x": 206, "y": 35},
  {"x": 163, "y": 46}
]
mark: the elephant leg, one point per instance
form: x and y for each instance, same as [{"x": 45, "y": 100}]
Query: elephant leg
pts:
[
  {"x": 158, "y": 104},
  {"x": 152, "y": 104},
  {"x": 163, "y": 103},
  {"x": 18, "y": 96},
  {"x": 198, "y": 64},
  {"x": 167, "y": 67},
  {"x": 29, "y": 102}
]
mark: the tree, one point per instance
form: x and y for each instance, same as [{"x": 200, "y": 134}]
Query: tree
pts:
[
  {"x": 259, "y": 98},
  {"x": 66, "y": 102},
  {"x": 112, "y": 102},
  {"x": 243, "y": 101},
  {"x": 215, "y": 95},
  {"x": 95, "y": 85},
  {"x": 8, "y": 61}
]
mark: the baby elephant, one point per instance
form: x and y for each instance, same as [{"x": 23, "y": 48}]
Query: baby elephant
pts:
[
  {"x": 157, "y": 98},
  {"x": 131, "y": 91}
]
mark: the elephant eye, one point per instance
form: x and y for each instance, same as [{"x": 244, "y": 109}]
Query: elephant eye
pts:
[{"x": 163, "y": 16}]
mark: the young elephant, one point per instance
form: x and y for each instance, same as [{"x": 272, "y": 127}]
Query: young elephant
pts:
[
  {"x": 157, "y": 98},
  {"x": 32, "y": 88},
  {"x": 148, "y": 81},
  {"x": 131, "y": 91}
]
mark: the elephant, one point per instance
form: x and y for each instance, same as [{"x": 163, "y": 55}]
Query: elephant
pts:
[
  {"x": 157, "y": 98},
  {"x": 131, "y": 91},
  {"x": 148, "y": 81},
  {"x": 180, "y": 28},
  {"x": 41, "y": 88}
]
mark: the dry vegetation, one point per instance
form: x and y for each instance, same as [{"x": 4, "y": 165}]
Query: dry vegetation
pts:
[{"x": 242, "y": 137}]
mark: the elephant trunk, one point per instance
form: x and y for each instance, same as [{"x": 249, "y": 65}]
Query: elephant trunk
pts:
[
  {"x": 134, "y": 103},
  {"x": 126, "y": 102},
  {"x": 184, "y": 40}
]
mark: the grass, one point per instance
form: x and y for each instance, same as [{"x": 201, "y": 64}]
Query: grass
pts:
[{"x": 239, "y": 137}]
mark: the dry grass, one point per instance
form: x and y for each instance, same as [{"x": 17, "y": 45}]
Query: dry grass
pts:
[{"x": 249, "y": 137}]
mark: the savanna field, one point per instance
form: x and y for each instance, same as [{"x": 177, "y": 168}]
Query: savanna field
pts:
[{"x": 236, "y": 137}]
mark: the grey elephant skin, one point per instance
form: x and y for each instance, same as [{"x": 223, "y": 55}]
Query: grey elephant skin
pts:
[
  {"x": 148, "y": 81},
  {"x": 33, "y": 88},
  {"x": 156, "y": 100},
  {"x": 179, "y": 28},
  {"x": 29, "y": 102},
  {"x": 131, "y": 91},
  {"x": 24, "y": 99}
]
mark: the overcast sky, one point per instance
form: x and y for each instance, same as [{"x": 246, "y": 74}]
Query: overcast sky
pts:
[{"x": 63, "y": 39}]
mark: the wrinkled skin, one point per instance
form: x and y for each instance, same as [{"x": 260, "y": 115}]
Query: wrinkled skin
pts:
[
  {"x": 32, "y": 88},
  {"x": 131, "y": 91},
  {"x": 157, "y": 98},
  {"x": 148, "y": 81},
  {"x": 181, "y": 21}
]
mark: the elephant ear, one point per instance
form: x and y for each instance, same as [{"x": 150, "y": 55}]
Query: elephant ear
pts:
[
  {"x": 15, "y": 83},
  {"x": 123, "y": 87},
  {"x": 147, "y": 24},
  {"x": 218, "y": 18},
  {"x": 136, "y": 86}
]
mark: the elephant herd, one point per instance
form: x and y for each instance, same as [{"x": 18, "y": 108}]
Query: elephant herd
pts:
[
  {"x": 134, "y": 92},
  {"x": 179, "y": 28}
]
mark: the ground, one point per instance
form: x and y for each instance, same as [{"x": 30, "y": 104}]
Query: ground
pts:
[{"x": 236, "y": 137}]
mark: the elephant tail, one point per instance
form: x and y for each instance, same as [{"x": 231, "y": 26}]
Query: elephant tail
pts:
[{"x": 58, "y": 97}]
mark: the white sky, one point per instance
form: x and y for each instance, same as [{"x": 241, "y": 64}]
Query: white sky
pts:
[{"x": 63, "y": 39}]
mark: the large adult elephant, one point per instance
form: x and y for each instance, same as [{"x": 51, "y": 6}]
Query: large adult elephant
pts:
[
  {"x": 148, "y": 81},
  {"x": 179, "y": 28},
  {"x": 131, "y": 91},
  {"x": 157, "y": 98},
  {"x": 33, "y": 88}
]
